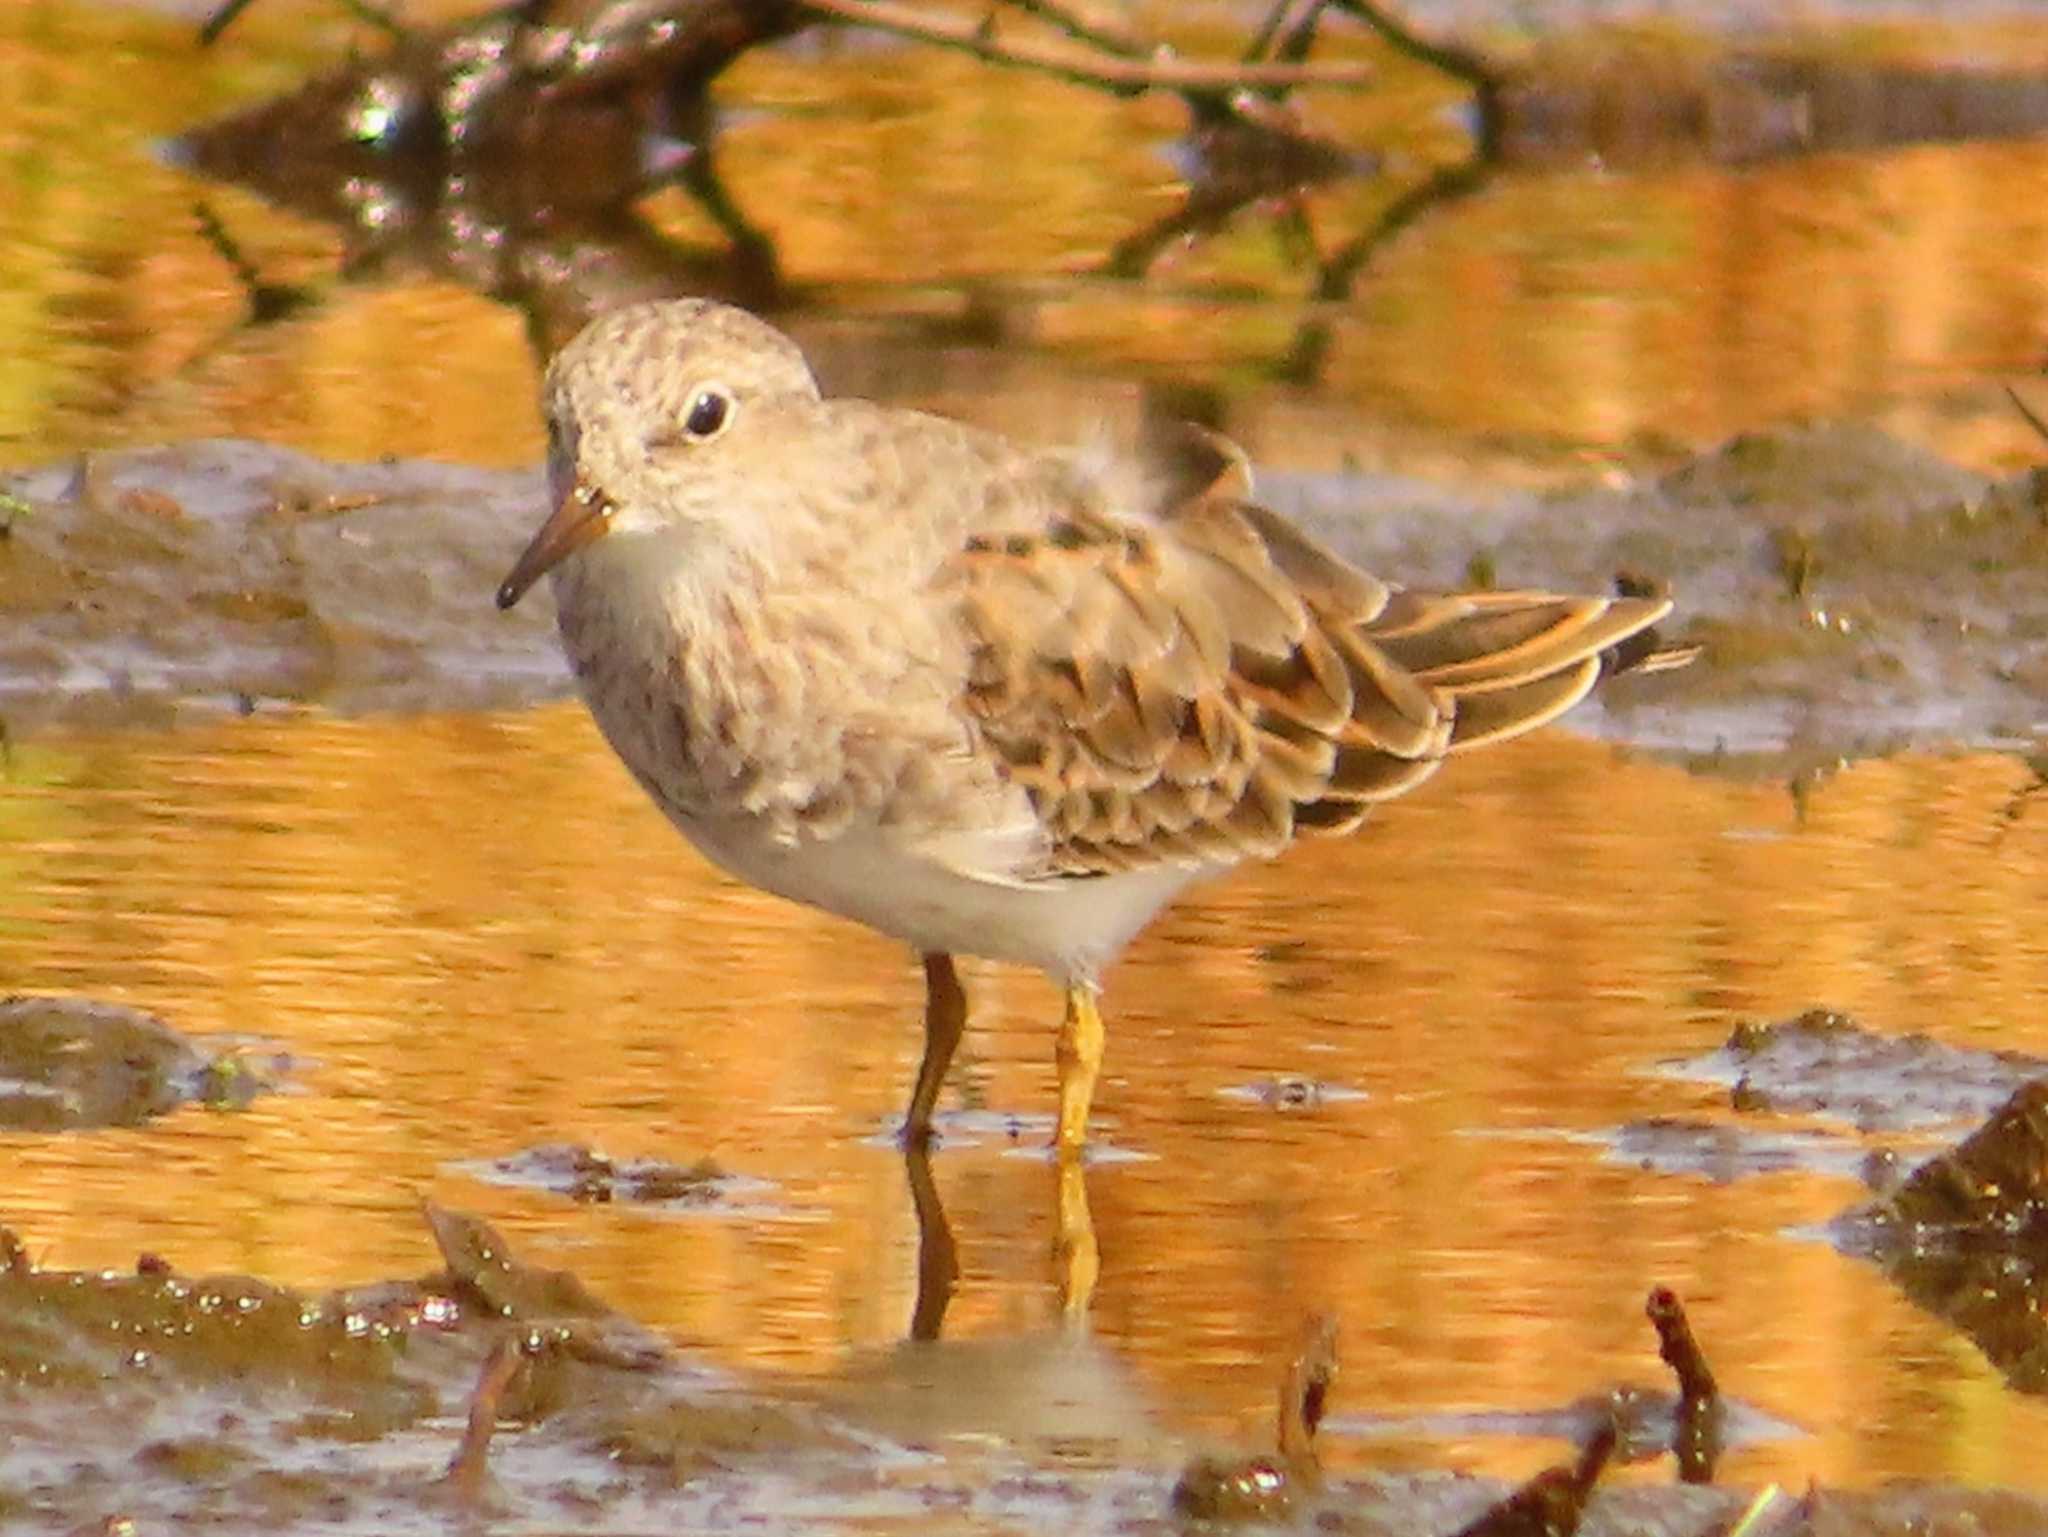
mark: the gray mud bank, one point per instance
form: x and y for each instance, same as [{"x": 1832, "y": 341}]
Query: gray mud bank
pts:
[{"x": 1853, "y": 594}]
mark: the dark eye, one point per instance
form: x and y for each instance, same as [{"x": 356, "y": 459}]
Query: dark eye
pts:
[{"x": 710, "y": 410}]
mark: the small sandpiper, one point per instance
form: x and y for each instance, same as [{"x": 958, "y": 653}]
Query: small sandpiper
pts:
[{"x": 989, "y": 699}]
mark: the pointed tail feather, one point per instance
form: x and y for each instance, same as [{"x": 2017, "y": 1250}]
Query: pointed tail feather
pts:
[{"x": 1508, "y": 662}]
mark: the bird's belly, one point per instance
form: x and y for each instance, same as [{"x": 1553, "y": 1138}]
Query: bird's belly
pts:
[
  {"x": 922, "y": 888},
  {"x": 1069, "y": 928}
]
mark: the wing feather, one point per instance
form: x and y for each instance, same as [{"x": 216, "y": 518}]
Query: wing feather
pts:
[{"x": 1203, "y": 684}]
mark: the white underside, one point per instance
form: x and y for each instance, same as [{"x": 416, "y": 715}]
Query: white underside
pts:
[
  {"x": 945, "y": 877},
  {"x": 1071, "y": 928}
]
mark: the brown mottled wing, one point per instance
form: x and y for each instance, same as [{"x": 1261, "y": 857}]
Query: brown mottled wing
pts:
[{"x": 1199, "y": 688}]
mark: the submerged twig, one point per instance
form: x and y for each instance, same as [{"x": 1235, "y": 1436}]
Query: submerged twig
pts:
[
  {"x": 1453, "y": 59},
  {"x": 2027, "y": 414},
  {"x": 225, "y": 14},
  {"x": 1305, "y": 1396},
  {"x": 1303, "y": 363},
  {"x": 222, "y": 18},
  {"x": 1268, "y": 28},
  {"x": 1445, "y": 185},
  {"x": 1297, "y": 39},
  {"x": 268, "y": 301},
  {"x": 1798, "y": 563},
  {"x": 1122, "y": 75}
]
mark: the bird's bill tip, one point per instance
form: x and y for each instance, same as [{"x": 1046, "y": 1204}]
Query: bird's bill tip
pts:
[{"x": 576, "y": 521}]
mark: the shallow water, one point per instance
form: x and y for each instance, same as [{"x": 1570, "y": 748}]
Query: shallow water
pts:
[
  {"x": 474, "y": 938},
  {"x": 1561, "y": 321},
  {"x": 471, "y": 937}
]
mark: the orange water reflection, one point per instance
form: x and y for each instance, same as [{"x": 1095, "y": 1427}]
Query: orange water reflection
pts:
[
  {"x": 479, "y": 939},
  {"x": 1582, "y": 315}
]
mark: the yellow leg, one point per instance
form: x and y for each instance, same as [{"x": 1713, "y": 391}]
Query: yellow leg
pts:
[
  {"x": 945, "y": 1016},
  {"x": 1080, "y": 1059},
  {"x": 1076, "y": 1260}
]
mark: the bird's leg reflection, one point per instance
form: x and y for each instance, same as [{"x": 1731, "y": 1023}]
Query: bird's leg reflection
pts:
[
  {"x": 1076, "y": 1260},
  {"x": 938, "y": 1261}
]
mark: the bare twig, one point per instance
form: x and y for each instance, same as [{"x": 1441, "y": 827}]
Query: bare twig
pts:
[
  {"x": 1696, "y": 1435},
  {"x": 1288, "y": 44},
  {"x": 1128, "y": 77},
  {"x": 222, "y": 18},
  {"x": 268, "y": 302},
  {"x": 2026, "y": 412},
  {"x": 1083, "y": 29},
  {"x": 467, "y": 1469},
  {"x": 1309, "y": 352},
  {"x": 1455, "y": 59},
  {"x": 1261, "y": 44},
  {"x": 1447, "y": 184}
]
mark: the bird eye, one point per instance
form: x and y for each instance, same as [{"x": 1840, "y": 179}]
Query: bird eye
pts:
[{"x": 710, "y": 410}]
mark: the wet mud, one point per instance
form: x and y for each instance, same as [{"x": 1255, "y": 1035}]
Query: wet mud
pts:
[
  {"x": 1271, "y": 1487},
  {"x": 586, "y": 1175},
  {"x": 72, "y": 1064},
  {"x": 1963, "y": 1236},
  {"x": 1823, "y": 1093},
  {"x": 1850, "y": 594},
  {"x": 164, "y": 1398},
  {"x": 1630, "y": 95},
  {"x": 1826, "y": 1065},
  {"x": 239, "y": 575},
  {"x": 1958, "y": 1229},
  {"x": 494, "y": 1391}
]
